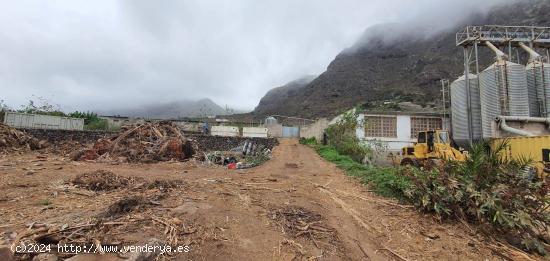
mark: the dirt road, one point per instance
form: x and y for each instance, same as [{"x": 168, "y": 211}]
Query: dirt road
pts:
[{"x": 296, "y": 206}]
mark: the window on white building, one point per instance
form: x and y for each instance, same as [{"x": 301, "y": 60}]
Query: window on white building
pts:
[
  {"x": 419, "y": 124},
  {"x": 381, "y": 126}
]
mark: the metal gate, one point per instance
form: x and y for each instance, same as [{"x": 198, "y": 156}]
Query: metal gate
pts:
[{"x": 291, "y": 132}]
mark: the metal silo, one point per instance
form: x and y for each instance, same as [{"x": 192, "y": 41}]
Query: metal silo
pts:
[
  {"x": 270, "y": 121},
  {"x": 465, "y": 128},
  {"x": 538, "y": 81},
  {"x": 503, "y": 91}
]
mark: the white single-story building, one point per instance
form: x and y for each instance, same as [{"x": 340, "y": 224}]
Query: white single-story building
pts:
[{"x": 395, "y": 130}]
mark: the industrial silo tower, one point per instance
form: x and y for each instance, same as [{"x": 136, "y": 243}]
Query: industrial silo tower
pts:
[
  {"x": 503, "y": 90},
  {"x": 506, "y": 88},
  {"x": 538, "y": 83},
  {"x": 466, "y": 115}
]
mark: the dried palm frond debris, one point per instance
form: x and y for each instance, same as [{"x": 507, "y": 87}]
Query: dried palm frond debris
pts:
[{"x": 145, "y": 142}]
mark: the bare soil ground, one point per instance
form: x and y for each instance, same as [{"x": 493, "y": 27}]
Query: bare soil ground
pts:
[{"x": 296, "y": 206}]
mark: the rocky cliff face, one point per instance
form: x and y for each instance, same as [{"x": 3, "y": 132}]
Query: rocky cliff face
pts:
[
  {"x": 277, "y": 96},
  {"x": 378, "y": 69}
]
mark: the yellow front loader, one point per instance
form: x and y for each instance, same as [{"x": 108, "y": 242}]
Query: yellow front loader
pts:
[{"x": 432, "y": 147}]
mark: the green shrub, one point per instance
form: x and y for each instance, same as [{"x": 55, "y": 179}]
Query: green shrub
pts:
[
  {"x": 99, "y": 124},
  {"x": 343, "y": 138},
  {"x": 350, "y": 146},
  {"x": 487, "y": 189},
  {"x": 389, "y": 182},
  {"x": 308, "y": 141},
  {"x": 91, "y": 120},
  {"x": 385, "y": 181},
  {"x": 89, "y": 117}
]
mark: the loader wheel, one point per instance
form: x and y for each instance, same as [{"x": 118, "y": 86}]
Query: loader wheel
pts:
[{"x": 406, "y": 162}]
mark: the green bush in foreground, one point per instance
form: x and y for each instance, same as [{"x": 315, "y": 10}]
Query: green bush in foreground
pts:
[
  {"x": 488, "y": 189},
  {"x": 385, "y": 181}
]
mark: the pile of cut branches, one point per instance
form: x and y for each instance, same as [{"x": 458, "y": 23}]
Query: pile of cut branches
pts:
[
  {"x": 299, "y": 222},
  {"x": 146, "y": 142},
  {"x": 12, "y": 139}
]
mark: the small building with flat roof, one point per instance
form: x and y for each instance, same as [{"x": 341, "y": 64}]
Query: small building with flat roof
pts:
[{"x": 393, "y": 130}]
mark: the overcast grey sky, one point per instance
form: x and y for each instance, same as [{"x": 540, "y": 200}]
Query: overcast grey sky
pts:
[{"x": 106, "y": 54}]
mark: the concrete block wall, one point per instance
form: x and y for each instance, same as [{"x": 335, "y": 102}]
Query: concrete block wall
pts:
[
  {"x": 315, "y": 129},
  {"x": 255, "y": 132},
  {"x": 274, "y": 130},
  {"x": 37, "y": 121},
  {"x": 226, "y": 131}
]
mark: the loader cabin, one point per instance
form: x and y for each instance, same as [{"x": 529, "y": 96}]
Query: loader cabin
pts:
[
  {"x": 427, "y": 140},
  {"x": 431, "y": 137}
]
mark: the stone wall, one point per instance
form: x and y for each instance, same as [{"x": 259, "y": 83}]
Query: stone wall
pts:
[
  {"x": 219, "y": 143},
  {"x": 204, "y": 142},
  {"x": 58, "y": 136}
]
